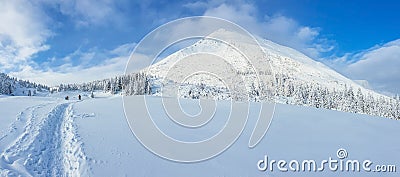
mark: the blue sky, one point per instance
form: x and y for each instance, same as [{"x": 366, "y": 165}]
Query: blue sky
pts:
[{"x": 81, "y": 40}]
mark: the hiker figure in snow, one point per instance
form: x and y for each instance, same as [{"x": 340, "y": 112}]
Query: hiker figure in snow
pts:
[
  {"x": 79, "y": 97},
  {"x": 66, "y": 98}
]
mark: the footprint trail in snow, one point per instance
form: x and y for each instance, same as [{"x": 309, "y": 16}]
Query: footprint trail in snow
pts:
[{"x": 46, "y": 143}]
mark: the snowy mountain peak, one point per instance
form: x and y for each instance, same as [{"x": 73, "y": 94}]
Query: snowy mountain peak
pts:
[
  {"x": 288, "y": 76},
  {"x": 232, "y": 36},
  {"x": 284, "y": 60}
]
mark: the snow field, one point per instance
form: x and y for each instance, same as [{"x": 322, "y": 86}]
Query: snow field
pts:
[
  {"x": 296, "y": 133},
  {"x": 54, "y": 137}
]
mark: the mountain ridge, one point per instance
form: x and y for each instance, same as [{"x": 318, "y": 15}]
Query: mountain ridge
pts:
[
  {"x": 284, "y": 60},
  {"x": 296, "y": 78}
]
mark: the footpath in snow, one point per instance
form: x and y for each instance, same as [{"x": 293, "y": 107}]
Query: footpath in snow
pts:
[{"x": 42, "y": 140}]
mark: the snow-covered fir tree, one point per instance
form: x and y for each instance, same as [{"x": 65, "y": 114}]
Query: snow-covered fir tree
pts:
[{"x": 13, "y": 86}]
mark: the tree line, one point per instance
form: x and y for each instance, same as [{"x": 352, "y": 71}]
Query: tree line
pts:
[
  {"x": 287, "y": 90},
  {"x": 129, "y": 84},
  {"x": 283, "y": 89}
]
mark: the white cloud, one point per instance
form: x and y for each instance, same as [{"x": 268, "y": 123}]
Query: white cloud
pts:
[
  {"x": 380, "y": 66},
  {"x": 23, "y": 32},
  {"x": 124, "y": 49},
  {"x": 69, "y": 73},
  {"x": 25, "y": 29},
  {"x": 307, "y": 33},
  {"x": 280, "y": 29},
  {"x": 196, "y": 5},
  {"x": 241, "y": 14},
  {"x": 112, "y": 67},
  {"x": 86, "y": 12}
]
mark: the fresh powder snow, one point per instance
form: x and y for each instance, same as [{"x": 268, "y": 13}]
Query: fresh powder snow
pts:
[{"x": 49, "y": 136}]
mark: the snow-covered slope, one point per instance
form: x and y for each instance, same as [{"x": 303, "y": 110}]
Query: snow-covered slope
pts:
[
  {"x": 13, "y": 86},
  {"x": 229, "y": 65},
  {"x": 284, "y": 61},
  {"x": 239, "y": 54},
  {"x": 291, "y": 62}
]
